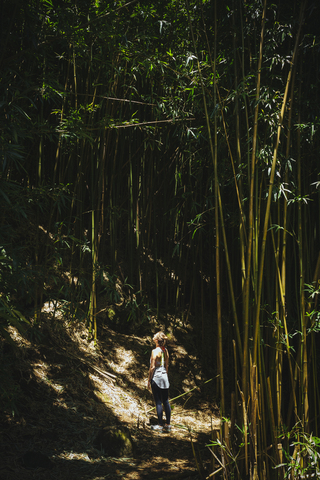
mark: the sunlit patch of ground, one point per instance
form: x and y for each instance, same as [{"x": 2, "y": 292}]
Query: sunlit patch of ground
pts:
[{"x": 72, "y": 389}]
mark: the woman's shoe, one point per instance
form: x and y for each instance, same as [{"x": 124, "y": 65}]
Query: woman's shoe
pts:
[
  {"x": 158, "y": 428},
  {"x": 167, "y": 428}
]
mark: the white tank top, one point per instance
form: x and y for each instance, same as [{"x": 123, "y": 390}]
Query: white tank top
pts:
[{"x": 160, "y": 376}]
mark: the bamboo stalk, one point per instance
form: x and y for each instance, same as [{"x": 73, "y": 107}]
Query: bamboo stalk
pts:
[
  {"x": 272, "y": 174},
  {"x": 273, "y": 425},
  {"x": 253, "y": 420},
  {"x": 216, "y": 205},
  {"x": 248, "y": 278},
  {"x": 303, "y": 319},
  {"x": 313, "y": 353},
  {"x": 282, "y": 276},
  {"x": 235, "y": 376},
  {"x": 185, "y": 393},
  {"x": 93, "y": 297},
  {"x": 245, "y": 430},
  {"x": 233, "y": 303}
]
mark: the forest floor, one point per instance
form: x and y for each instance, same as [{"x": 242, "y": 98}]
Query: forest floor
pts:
[{"x": 69, "y": 391}]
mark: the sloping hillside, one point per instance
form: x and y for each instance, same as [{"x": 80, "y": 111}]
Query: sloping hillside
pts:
[{"x": 67, "y": 393}]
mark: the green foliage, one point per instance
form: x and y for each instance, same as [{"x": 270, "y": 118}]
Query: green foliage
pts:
[
  {"x": 227, "y": 460},
  {"x": 304, "y": 461},
  {"x": 105, "y": 160},
  {"x": 10, "y": 316},
  {"x": 138, "y": 312},
  {"x": 10, "y": 392}
]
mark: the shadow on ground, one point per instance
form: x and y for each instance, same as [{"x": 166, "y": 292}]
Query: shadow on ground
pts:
[{"x": 64, "y": 396}]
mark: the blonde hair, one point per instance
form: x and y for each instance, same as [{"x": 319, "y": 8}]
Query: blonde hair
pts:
[{"x": 161, "y": 338}]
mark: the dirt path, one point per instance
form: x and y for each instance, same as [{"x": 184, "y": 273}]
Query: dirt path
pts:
[{"x": 71, "y": 391}]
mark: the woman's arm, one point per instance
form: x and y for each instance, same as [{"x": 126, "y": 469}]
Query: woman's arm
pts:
[
  {"x": 152, "y": 367},
  {"x": 166, "y": 361}
]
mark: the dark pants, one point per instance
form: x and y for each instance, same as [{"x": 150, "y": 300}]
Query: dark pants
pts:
[{"x": 161, "y": 397}]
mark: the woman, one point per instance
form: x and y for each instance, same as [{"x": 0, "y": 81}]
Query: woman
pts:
[{"x": 158, "y": 380}]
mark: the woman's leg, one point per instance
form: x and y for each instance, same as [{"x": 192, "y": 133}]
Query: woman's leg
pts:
[
  {"x": 157, "y": 398},
  {"x": 166, "y": 404}
]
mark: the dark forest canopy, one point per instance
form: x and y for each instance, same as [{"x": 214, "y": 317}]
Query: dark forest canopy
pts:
[{"x": 172, "y": 148}]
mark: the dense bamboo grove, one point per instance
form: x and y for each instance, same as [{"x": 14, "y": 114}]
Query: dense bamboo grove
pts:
[{"x": 173, "y": 147}]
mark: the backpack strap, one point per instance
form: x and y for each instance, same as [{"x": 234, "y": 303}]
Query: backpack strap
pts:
[{"x": 162, "y": 359}]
